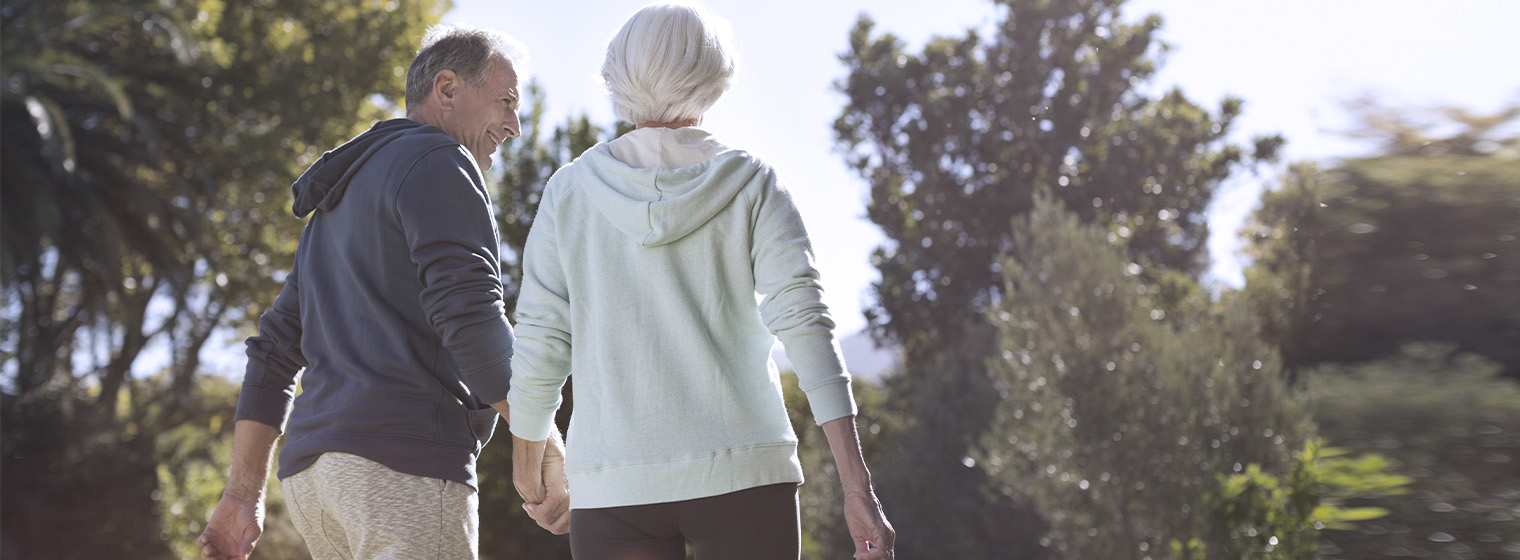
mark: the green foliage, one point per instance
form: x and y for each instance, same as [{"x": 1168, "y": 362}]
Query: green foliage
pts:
[
  {"x": 1444, "y": 420},
  {"x": 1341, "y": 478},
  {"x": 954, "y": 142},
  {"x": 1191, "y": 549},
  {"x": 1381, "y": 280},
  {"x": 1118, "y": 415},
  {"x": 1436, "y": 131},
  {"x": 1271, "y": 518},
  {"x": 1419, "y": 243}
]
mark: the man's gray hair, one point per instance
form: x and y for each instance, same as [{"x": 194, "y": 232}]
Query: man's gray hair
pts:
[
  {"x": 465, "y": 50},
  {"x": 668, "y": 63}
]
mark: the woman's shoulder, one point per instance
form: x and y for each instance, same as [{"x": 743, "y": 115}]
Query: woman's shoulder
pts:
[{"x": 564, "y": 177}]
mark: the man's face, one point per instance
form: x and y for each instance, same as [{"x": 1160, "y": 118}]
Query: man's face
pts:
[{"x": 481, "y": 118}]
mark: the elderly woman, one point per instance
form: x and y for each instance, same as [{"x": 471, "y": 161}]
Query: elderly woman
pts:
[{"x": 639, "y": 281}]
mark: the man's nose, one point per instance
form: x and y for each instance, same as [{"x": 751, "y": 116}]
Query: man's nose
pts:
[{"x": 514, "y": 126}]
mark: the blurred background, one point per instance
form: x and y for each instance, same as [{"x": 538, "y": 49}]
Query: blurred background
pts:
[{"x": 1147, "y": 279}]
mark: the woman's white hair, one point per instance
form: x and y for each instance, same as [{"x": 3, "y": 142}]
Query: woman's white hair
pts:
[{"x": 669, "y": 63}]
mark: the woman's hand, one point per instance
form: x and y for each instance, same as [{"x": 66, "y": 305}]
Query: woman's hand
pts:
[
  {"x": 869, "y": 528},
  {"x": 553, "y": 513},
  {"x": 538, "y": 473},
  {"x": 527, "y": 469}
]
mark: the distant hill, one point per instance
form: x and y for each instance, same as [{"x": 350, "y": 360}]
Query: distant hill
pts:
[{"x": 862, "y": 357}]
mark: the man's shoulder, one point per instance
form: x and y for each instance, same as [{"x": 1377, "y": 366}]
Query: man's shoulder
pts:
[
  {"x": 426, "y": 141},
  {"x": 429, "y": 153}
]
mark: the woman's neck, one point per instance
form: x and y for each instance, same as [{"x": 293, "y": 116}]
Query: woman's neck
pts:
[{"x": 672, "y": 124}]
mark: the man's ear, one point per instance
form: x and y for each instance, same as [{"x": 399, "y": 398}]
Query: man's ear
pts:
[{"x": 446, "y": 85}]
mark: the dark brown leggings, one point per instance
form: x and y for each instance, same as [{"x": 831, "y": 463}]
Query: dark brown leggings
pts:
[{"x": 757, "y": 523}]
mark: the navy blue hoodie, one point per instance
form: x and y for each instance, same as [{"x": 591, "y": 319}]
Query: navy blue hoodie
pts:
[{"x": 395, "y": 308}]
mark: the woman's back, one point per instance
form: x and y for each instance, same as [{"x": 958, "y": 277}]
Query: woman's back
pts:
[
  {"x": 670, "y": 360},
  {"x": 640, "y": 276}
]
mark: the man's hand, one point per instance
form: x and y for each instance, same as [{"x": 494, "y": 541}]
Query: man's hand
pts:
[
  {"x": 233, "y": 529},
  {"x": 553, "y": 511},
  {"x": 869, "y": 528},
  {"x": 238, "y": 520}
]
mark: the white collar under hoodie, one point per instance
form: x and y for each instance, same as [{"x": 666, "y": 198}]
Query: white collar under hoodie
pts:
[{"x": 639, "y": 282}]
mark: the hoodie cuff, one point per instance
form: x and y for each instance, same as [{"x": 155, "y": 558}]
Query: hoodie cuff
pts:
[
  {"x": 265, "y": 406},
  {"x": 490, "y": 383},
  {"x": 821, "y": 373},
  {"x": 832, "y": 401},
  {"x": 530, "y": 425}
]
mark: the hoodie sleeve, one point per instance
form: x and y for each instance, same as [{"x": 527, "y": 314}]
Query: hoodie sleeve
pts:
[
  {"x": 446, "y": 217},
  {"x": 274, "y": 359},
  {"x": 542, "y": 362},
  {"x": 793, "y": 307}
]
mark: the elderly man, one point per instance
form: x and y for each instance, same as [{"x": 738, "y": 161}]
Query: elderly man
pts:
[{"x": 394, "y": 308}]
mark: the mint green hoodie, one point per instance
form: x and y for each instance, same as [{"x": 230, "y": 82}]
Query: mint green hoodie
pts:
[{"x": 640, "y": 284}]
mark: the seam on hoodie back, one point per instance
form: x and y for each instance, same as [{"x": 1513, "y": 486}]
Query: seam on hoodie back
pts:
[{"x": 649, "y": 209}]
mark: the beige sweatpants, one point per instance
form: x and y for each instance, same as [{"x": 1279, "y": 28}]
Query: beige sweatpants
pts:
[{"x": 351, "y": 508}]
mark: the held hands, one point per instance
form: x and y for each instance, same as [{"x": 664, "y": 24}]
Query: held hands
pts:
[
  {"x": 869, "y": 528},
  {"x": 538, "y": 473},
  {"x": 233, "y": 529}
]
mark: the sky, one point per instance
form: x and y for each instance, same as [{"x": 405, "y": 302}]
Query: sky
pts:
[{"x": 1295, "y": 63}]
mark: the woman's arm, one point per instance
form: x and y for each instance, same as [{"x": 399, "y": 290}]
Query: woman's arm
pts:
[
  {"x": 541, "y": 356},
  {"x": 794, "y": 311},
  {"x": 540, "y": 367},
  {"x": 869, "y": 528}
]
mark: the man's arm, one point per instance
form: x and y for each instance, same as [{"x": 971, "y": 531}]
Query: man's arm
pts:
[
  {"x": 269, "y": 387},
  {"x": 445, "y": 215},
  {"x": 238, "y": 520}
]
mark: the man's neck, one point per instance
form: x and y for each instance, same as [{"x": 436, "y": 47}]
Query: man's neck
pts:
[{"x": 426, "y": 114}]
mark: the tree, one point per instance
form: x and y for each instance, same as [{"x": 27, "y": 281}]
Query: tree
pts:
[
  {"x": 1135, "y": 431},
  {"x": 1416, "y": 243},
  {"x": 148, "y": 146},
  {"x": 1279, "y": 281},
  {"x": 1115, "y": 415},
  {"x": 954, "y": 142}
]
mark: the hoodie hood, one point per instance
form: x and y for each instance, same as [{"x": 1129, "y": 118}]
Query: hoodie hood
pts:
[
  {"x": 659, "y": 206},
  {"x": 323, "y": 184}
]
